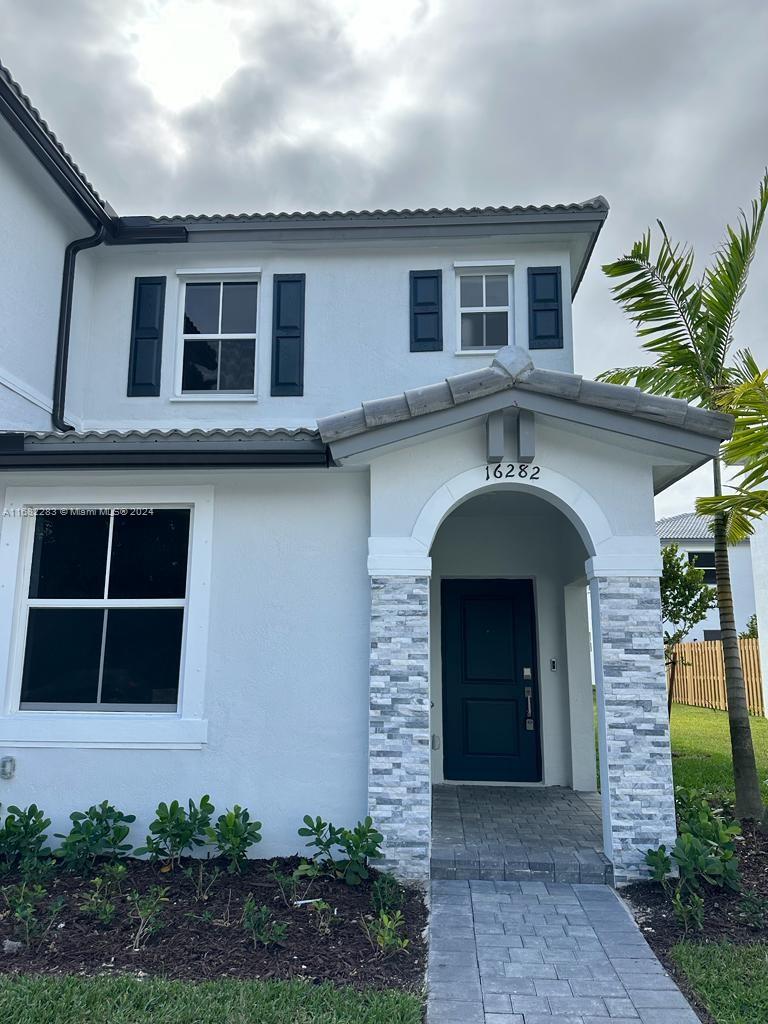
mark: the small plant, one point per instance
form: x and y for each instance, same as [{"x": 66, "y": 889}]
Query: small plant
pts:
[
  {"x": 99, "y": 832},
  {"x": 98, "y": 903},
  {"x": 385, "y": 932},
  {"x": 387, "y": 894},
  {"x": 323, "y": 836},
  {"x": 258, "y": 922},
  {"x": 353, "y": 847},
  {"x": 145, "y": 911},
  {"x": 175, "y": 831},
  {"x": 23, "y": 836},
  {"x": 324, "y": 916},
  {"x": 292, "y": 887},
  {"x": 24, "y": 902},
  {"x": 114, "y": 874},
  {"x": 753, "y": 909},
  {"x": 660, "y": 864},
  {"x": 38, "y": 870},
  {"x": 360, "y": 844},
  {"x": 689, "y": 909},
  {"x": 234, "y": 834},
  {"x": 202, "y": 878}
]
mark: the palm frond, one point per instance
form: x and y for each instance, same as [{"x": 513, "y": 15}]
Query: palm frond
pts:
[
  {"x": 659, "y": 379},
  {"x": 743, "y": 509},
  {"x": 658, "y": 295},
  {"x": 726, "y": 278}
]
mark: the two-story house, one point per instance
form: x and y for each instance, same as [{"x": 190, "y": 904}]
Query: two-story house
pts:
[{"x": 307, "y": 511}]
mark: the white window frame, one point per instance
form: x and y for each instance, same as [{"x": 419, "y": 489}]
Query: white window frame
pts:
[
  {"x": 185, "y": 728},
  {"x": 216, "y": 275},
  {"x": 476, "y": 268}
]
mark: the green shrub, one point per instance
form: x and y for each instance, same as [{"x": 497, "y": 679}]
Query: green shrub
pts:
[
  {"x": 353, "y": 847},
  {"x": 97, "y": 901},
  {"x": 176, "y": 831},
  {"x": 689, "y": 909},
  {"x": 99, "y": 832},
  {"x": 146, "y": 910},
  {"x": 385, "y": 932},
  {"x": 387, "y": 894},
  {"x": 32, "y": 923},
  {"x": 234, "y": 834},
  {"x": 258, "y": 922},
  {"x": 23, "y": 836}
]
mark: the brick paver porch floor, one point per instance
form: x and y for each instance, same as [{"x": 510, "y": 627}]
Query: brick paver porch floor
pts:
[
  {"x": 543, "y": 953},
  {"x": 517, "y": 834}
]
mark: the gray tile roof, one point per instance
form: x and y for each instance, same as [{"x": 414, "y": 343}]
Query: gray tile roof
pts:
[
  {"x": 512, "y": 369},
  {"x": 686, "y": 526},
  {"x": 101, "y": 440},
  {"x": 596, "y": 205}
]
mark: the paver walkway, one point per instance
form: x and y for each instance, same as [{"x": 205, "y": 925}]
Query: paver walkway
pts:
[
  {"x": 517, "y": 833},
  {"x": 543, "y": 953}
]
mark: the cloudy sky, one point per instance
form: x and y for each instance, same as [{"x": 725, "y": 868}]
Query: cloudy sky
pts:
[{"x": 177, "y": 106}]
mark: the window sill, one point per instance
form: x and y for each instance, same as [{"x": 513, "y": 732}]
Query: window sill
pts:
[
  {"x": 213, "y": 398},
  {"x": 477, "y": 351},
  {"x": 102, "y": 729}
]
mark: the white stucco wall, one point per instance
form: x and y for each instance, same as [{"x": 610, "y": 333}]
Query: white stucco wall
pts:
[
  {"x": 514, "y": 536},
  {"x": 742, "y": 584},
  {"x": 286, "y": 690},
  {"x": 357, "y": 333},
  {"x": 36, "y": 224}
]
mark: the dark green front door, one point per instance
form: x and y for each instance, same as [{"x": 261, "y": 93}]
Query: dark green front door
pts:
[{"x": 490, "y": 681}]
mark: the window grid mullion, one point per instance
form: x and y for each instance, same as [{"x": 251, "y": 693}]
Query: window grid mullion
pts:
[
  {"x": 101, "y": 655},
  {"x": 221, "y": 304},
  {"x": 108, "y": 568}
]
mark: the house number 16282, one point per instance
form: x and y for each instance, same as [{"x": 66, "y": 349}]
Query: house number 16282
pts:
[{"x": 512, "y": 471}]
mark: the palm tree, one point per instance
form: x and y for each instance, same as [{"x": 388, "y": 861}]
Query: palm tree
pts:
[{"x": 687, "y": 324}]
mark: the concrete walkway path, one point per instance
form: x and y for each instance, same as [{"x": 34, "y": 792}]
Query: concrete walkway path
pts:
[{"x": 543, "y": 953}]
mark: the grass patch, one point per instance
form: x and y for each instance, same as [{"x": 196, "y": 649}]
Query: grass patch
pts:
[
  {"x": 69, "y": 1000},
  {"x": 702, "y": 748},
  {"x": 731, "y": 981}
]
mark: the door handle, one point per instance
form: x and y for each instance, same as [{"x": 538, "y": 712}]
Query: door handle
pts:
[{"x": 529, "y": 702}]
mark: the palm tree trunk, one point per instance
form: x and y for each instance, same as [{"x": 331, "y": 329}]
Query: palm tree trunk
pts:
[
  {"x": 749, "y": 802},
  {"x": 672, "y": 673}
]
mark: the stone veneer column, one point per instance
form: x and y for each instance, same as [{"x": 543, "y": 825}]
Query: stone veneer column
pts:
[
  {"x": 399, "y": 794},
  {"x": 635, "y": 755}
]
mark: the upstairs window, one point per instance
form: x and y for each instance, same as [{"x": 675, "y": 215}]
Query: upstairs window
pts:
[
  {"x": 105, "y": 609},
  {"x": 219, "y": 338},
  {"x": 704, "y": 560},
  {"x": 484, "y": 310}
]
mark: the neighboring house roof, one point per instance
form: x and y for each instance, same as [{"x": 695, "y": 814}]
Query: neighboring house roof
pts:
[
  {"x": 35, "y": 133},
  {"x": 686, "y": 526},
  {"x": 516, "y": 381}
]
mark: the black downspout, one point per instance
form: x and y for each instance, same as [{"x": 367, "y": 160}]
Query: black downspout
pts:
[{"x": 65, "y": 319}]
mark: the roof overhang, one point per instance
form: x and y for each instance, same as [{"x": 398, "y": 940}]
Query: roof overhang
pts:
[
  {"x": 680, "y": 436},
  {"x": 157, "y": 449}
]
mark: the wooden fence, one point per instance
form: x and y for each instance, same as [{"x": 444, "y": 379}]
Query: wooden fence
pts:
[{"x": 700, "y": 675}]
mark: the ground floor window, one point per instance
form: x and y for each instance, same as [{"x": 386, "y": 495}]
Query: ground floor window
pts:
[{"x": 104, "y": 609}]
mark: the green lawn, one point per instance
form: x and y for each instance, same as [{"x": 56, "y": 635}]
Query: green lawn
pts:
[
  {"x": 69, "y": 1000},
  {"x": 702, "y": 749},
  {"x": 732, "y": 981}
]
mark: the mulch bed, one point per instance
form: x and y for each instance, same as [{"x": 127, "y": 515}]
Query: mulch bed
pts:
[
  {"x": 724, "y": 920},
  {"x": 204, "y": 940}
]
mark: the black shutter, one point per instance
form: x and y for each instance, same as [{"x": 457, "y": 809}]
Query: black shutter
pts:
[
  {"x": 288, "y": 335},
  {"x": 545, "y": 308},
  {"x": 146, "y": 337},
  {"x": 426, "y": 310}
]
